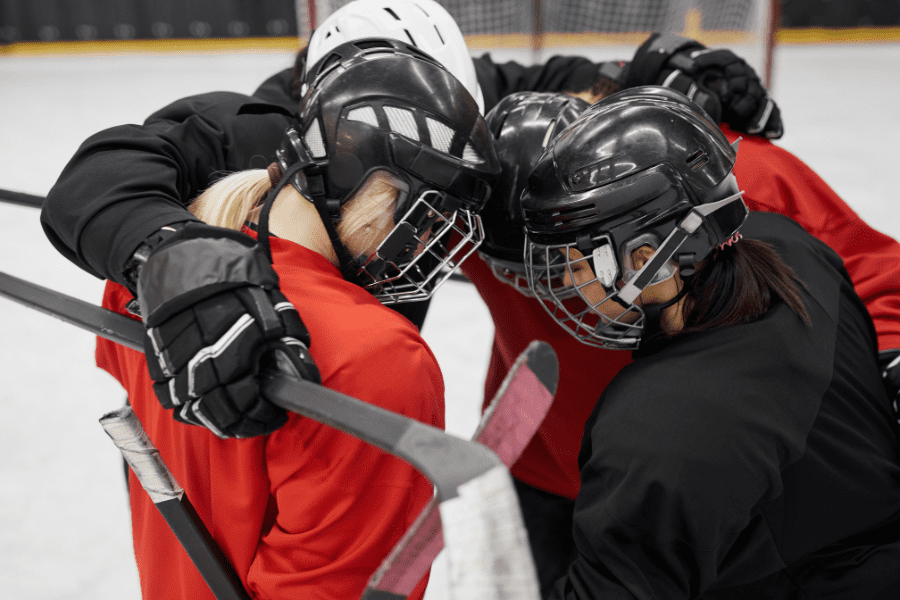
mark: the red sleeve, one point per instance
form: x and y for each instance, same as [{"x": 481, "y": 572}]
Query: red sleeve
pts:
[{"x": 777, "y": 181}]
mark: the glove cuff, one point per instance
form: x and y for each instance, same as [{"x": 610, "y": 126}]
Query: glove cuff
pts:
[
  {"x": 196, "y": 262},
  {"x": 653, "y": 55}
]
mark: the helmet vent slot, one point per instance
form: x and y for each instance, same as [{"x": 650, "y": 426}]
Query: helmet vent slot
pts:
[
  {"x": 328, "y": 63},
  {"x": 470, "y": 155},
  {"x": 365, "y": 114},
  {"x": 369, "y": 44},
  {"x": 697, "y": 160},
  {"x": 392, "y": 13},
  {"x": 314, "y": 141},
  {"x": 441, "y": 135},
  {"x": 403, "y": 122}
]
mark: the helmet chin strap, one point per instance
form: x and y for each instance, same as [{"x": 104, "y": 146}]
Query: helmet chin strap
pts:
[
  {"x": 262, "y": 234},
  {"x": 348, "y": 266}
]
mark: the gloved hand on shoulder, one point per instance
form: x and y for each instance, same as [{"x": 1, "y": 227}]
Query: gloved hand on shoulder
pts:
[
  {"x": 215, "y": 319},
  {"x": 721, "y": 82}
]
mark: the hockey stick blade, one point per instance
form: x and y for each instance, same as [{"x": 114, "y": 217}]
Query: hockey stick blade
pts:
[
  {"x": 169, "y": 498},
  {"x": 487, "y": 547},
  {"x": 21, "y": 198},
  {"x": 506, "y": 427}
]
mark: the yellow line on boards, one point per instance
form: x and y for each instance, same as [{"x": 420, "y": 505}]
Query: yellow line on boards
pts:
[
  {"x": 168, "y": 46},
  {"x": 475, "y": 42},
  {"x": 821, "y": 35}
]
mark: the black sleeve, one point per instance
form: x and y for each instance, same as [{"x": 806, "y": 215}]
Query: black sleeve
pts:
[
  {"x": 126, "y": 182},
  {"x": 281, "y": 89},
  {"x": 559, "y": 74}
]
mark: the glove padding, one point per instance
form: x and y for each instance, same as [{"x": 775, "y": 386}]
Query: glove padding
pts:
[
  {"x": 215, "y": 320},
  {"x": 718, "y": 80}
]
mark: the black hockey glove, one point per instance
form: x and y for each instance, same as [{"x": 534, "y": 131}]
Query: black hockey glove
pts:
[
  {"x": 215, "y": 319},
  {"x": 889, "y": 361},
  {"x": 721, "y": 82}
]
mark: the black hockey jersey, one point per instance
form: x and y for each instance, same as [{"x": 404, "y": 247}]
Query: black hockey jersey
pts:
[{"x": 754, "y": 461}]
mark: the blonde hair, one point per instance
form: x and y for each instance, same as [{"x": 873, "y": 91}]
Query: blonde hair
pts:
[
  {"x": 369, "y": 215},
  {"x": 232, "y": 200},
  {"x": 365, "y": 219}
]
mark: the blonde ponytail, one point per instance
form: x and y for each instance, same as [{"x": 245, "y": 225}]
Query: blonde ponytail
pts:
[{"x": 232, "y": 200}]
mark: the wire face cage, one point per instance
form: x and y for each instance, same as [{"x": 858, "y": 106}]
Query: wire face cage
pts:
[
  {"x": 571, "y": 308},
  {"x": 422, "y": 251},
  {"x": 548, "y": 277}
]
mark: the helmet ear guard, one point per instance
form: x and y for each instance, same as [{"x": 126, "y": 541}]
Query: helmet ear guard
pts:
[
  {"x": 308, "y": 180},
  {"x": 705, "y": 224}
]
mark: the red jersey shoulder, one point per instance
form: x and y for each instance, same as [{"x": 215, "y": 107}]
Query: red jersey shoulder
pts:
[{"x": 362, "y": 348}]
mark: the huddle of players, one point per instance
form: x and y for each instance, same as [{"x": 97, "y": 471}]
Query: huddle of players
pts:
[{"x": 688, "y": 465}]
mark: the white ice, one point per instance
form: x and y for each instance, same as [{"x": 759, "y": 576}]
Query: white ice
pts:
[{"x": 64, "y": 524}]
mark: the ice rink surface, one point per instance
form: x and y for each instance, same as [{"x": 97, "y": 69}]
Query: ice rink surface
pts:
[{"x": 64, "y": 524}]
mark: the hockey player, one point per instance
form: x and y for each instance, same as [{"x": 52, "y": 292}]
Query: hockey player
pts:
[
  {"x": 750, "y": 450},
  {"x": 547, "y": 474},
  {"x": 305, "y": 511},
  {"x": 99, "y": 224}
]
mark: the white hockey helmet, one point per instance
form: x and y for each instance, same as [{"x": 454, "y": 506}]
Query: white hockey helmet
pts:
[{"x": 423, "y": 23}]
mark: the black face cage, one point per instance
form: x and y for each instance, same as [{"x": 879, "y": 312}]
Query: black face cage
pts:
[
  {"x": 422, "y": 250},
  {"x": 570, "y": 307}
]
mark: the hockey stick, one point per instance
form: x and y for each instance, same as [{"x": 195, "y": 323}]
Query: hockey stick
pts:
[
  {"x": 127, "y": 433},
  {"x": 21, "y": 198},
  {"x": 506, "y": 427},
  {"x": 487, "y": 548},
  {"x": 169, "y": 498}
]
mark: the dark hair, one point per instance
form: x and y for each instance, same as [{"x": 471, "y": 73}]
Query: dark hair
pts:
[
  {"x": 739, "y": 284},
  {"x": 604, "y": 86}
]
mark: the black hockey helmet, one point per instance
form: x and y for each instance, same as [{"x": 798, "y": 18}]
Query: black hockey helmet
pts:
[
  {"x": 384, "y": 105},
  {"x": 645, "y": 166},
  {"x": 523, "y": 124}
]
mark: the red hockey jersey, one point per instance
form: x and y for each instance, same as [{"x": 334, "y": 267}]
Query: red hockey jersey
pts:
[{"x": 308, "y": 511}]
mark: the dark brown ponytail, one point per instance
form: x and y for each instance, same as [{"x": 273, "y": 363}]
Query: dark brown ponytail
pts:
[{"x": 739, "y": 284}]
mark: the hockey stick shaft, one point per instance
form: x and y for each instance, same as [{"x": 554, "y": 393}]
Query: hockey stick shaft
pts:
[
  {"x": 105, "y": 323},
  {"x": 487, "y": 548},
  {"x": 21, "y": 198},
  {"x": 169, "y": 498},
  {"x": 126, "y": 431},
  {"x": 438, "y": 455}
]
